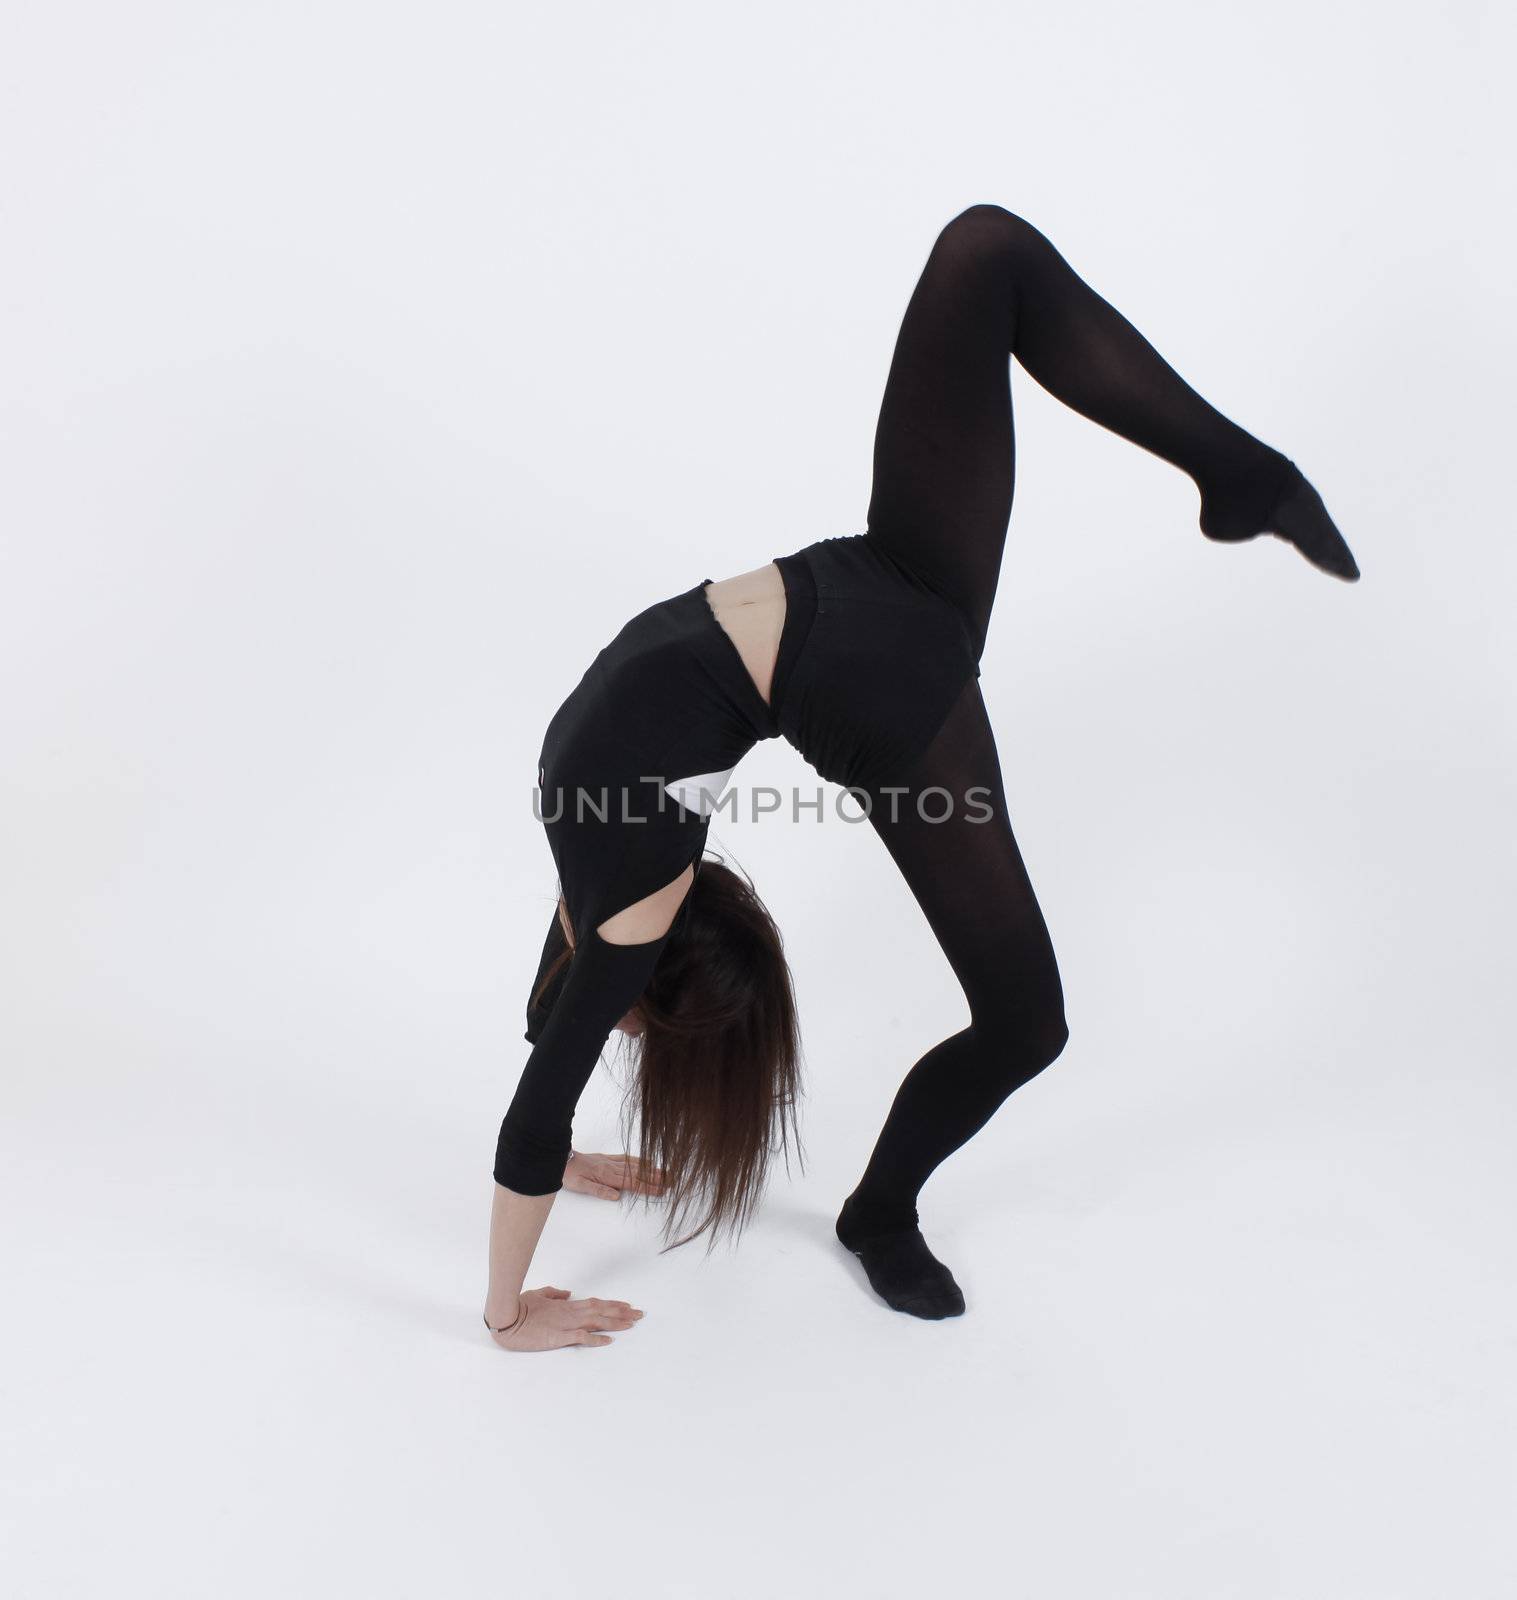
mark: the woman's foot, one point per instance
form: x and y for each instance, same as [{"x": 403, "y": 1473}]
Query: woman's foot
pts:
[
  {"x": 1231, "y": 513},
  {"x": 1300, "y": 518},
  {"x": 901, "y": 1270}
]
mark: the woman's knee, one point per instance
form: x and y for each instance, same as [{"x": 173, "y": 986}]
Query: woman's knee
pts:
[
  {"x": 991, "y": 230},
  {"x": 1052, "y": 1038},
  {"x": 1030, "y": 1027}
]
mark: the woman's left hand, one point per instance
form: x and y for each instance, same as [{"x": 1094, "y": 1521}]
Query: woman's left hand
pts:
[{"x": 607, "y": 1176}]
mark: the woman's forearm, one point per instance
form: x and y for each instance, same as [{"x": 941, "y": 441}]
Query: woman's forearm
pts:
[{"x": 516, "y": 1224}]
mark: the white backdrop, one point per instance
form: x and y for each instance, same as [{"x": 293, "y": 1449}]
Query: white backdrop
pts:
[{"x": 364, "y": 367}]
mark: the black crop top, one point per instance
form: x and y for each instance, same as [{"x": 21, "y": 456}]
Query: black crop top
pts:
[
  {"x": 871, "y": 658},
  {"x": 630, "y": 767}
]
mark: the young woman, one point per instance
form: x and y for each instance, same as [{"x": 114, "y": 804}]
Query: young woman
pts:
[{"x": 863, "y": 652}]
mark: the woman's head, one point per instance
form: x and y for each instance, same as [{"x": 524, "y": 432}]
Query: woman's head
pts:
[{"x": 717, "y": 1050}]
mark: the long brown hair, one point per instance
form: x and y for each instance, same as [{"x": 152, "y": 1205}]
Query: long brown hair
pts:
[
  {"x": 717, "y": 1065},
  {"x": 719, "y": 1058}
]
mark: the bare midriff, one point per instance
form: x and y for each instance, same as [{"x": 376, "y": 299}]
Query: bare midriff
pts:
[{"x": 751, "y": 611}]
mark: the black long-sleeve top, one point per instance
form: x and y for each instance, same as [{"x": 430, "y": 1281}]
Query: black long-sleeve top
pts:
[
  {"x": 870, "y": 659},
  {"x": 630, "y": 765}
]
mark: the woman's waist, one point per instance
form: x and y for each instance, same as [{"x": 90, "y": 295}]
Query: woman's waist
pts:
[{"x": 857, "y": 567}]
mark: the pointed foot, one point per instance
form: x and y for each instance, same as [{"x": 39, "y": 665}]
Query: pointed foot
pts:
[{"x": 1301, "y": 519}]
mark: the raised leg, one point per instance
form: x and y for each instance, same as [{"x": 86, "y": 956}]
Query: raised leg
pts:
[{"x": 944, "y": 450}]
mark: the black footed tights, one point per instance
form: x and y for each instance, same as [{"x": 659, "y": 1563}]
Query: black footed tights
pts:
[{"x": 994, "y": 286}]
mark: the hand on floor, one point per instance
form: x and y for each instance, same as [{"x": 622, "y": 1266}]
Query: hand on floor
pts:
[
  {"x": 553, "y": 1320},
  {"x": 607, "y": 1176}
]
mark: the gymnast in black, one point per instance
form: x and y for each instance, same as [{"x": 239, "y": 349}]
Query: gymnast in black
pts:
[{"x": 873, "y": 676}]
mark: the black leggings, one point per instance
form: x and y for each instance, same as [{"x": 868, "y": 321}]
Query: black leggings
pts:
[{"x": 944, "y": 458}]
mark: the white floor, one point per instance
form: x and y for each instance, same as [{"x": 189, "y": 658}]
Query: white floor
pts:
[
  {"x": 1239, "y": 1324},
  {"x": 364, "y": 369}
]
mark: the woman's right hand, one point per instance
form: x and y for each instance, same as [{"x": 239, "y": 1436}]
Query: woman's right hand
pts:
[{"x": 554, "y": 1320}]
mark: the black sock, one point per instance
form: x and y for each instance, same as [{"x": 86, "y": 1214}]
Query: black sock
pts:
[
  {"x": 901, "y": 1270},
  {"x": 1300, "y": 518},
  {"x": 1275, "y": 497}
]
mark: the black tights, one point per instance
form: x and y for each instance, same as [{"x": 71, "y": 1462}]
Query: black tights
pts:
[
  {"x": 944, "y": 458},
  {"x": 969, "y": 880}
]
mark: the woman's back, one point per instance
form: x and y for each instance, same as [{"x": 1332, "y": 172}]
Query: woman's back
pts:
[{"x": 751, "y": 610}]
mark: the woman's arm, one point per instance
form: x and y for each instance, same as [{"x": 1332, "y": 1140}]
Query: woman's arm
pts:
[
  {"x": 544, "y": 993},
  {"x": 539, "y": 1319},
  {"x": 604, "y": 980},
  {"x": 516, "y": 1224}
]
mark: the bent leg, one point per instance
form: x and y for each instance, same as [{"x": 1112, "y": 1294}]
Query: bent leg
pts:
[
  {"x": 951, "y": 837},
  {"x": 944, "y": 450}
]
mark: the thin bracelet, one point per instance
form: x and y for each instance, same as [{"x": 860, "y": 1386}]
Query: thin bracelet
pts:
[
  {"x": 520, "y": 1318},
  {"x": 521, "y": 1314}
]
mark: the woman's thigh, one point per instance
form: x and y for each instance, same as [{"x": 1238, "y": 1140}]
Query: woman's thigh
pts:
[
  {"x": 946, "y": 827},
  {"x": 944, "y": 447}
]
